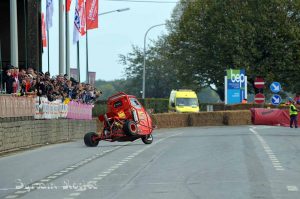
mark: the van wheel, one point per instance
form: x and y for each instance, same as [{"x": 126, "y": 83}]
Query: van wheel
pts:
[
  {"x": 130, "y": 128},
  {"x": 147, "y": 139},
  {"x": 90, "y": 139}
]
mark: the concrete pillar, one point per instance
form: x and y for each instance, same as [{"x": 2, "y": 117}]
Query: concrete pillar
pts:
[
  {"x": 14, "y": 33},
  {"x": 34, "y": 45}
]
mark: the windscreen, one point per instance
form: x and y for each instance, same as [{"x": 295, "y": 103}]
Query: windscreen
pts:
[
  {"x": 186, "y": 102},
  {"x": 135, "y": 103}
]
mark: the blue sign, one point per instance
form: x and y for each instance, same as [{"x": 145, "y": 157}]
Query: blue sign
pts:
[
  {"x": 275, "y": 87},
  {"x": 276, "y": 99},
  {"x": 236, "y": 83}
]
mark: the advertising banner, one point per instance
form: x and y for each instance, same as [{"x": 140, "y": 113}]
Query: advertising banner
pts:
[
  {"x": 92, "y": 14},
  {"x": 235, "y": 86}
]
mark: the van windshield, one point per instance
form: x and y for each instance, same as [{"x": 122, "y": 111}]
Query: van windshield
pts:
[{"x": 186, "y": 102}]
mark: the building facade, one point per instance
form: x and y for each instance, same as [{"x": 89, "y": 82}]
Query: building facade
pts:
[{"x": 29, "y": 34}]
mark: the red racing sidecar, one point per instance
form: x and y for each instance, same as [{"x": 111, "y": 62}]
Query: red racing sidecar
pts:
[{"x": 126, "y": 120}]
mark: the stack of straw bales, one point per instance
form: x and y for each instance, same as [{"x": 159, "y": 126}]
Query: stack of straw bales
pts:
[
  {"x": 207, "y": 118},
  {"x": 217, "y": 118},
  {"x": 242, "y": 117},
  {"x": 171, "y": 120}
]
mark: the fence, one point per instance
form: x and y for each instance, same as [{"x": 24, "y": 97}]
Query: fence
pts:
[
  {"x": 16, "y": 106},
  {"x": 79, "y": 111},
  {"x": 41, "y": 108},
  {"x": 49, "y": 110}
]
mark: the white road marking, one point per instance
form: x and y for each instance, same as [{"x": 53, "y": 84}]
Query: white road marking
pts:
[
  {"x": 45, "y": 180},
  {"x": 97, "y": 178},
  {"x": 52, "y": 177},
  {"x": 20, "y": 192},
  {"x": 64, "y": 171},
  {"x": 74, "y": 194},
  {"x": 292, "y": 188},
  {"x": 102, "y": 175},
  {"x": 11, "y": 196},
  {"x": 275, "y": 162},
  {"x": 58, "y": 174},
  {"x": 81, "y": 190}
]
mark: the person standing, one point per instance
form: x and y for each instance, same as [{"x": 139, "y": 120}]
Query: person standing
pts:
[
  {"x": 293, "y": 114},
  {"x": 9, "y": 82}
]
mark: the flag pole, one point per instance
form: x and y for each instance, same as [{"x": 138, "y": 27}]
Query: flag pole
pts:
[
  {"x": 48, "y": 47},
  {"x": 78, "y": 61},
  {"x": 86, "y": 48},
  {"x": 61, "y": 37},
  {"x": 67, "y": 42}
]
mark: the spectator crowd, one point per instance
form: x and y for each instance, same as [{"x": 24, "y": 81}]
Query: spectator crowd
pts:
[{"x": 61, "y": 87}]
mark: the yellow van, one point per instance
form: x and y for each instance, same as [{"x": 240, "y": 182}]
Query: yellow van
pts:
[{"x": 183, "y": 101}]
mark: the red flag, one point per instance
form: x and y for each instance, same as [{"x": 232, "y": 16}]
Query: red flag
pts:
[
  {"x": 91, "y": 14},
  {"x": 82, "y": 17},
  {"x": 44, "y": 36},
  {"x": 68, "y": 6}
]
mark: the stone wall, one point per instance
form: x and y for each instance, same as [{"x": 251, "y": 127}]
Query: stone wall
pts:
[{"x": 27, "y": 133}]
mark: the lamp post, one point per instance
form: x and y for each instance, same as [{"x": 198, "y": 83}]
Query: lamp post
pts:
[
  {"x": 87, "y": 56},
  {"x": 144, "y": 68},
  {"x": 118, "y": 10}
]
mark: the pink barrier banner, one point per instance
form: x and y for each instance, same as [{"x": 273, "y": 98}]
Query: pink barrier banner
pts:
[
  {"x": 273, "y": 117},
  {"x": 79, "y": 111}
]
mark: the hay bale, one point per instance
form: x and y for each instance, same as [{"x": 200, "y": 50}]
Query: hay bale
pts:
[
  {"x": 242, "y": 117},
  {"x": 206, "y": 119},
  {"x": 171, "y": 120}
]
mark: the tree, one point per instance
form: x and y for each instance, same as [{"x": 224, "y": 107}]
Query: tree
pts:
[
  {"x": 261, "y": 36},
  {"x": 161, "y": 76}
]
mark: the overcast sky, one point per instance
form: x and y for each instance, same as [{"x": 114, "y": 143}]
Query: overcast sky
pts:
[{"x": 116, "y": 34}]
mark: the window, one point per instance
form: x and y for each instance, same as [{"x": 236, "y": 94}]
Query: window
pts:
[
  {"x": 117, "y": 104},
  {"x": 135, "y": 103},
  {"x": 186, "y": 101}
]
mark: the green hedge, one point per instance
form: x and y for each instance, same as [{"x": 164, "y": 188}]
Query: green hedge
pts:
[
  {"x": 159, "y": 105},
  {"x": 99, "y": 108}
]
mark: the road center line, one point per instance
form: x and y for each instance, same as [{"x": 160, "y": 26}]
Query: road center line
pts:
[{"x": 268, "y": 151}]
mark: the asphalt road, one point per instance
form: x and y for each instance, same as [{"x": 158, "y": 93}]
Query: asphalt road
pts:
[{"x": 209, "y": 163}]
